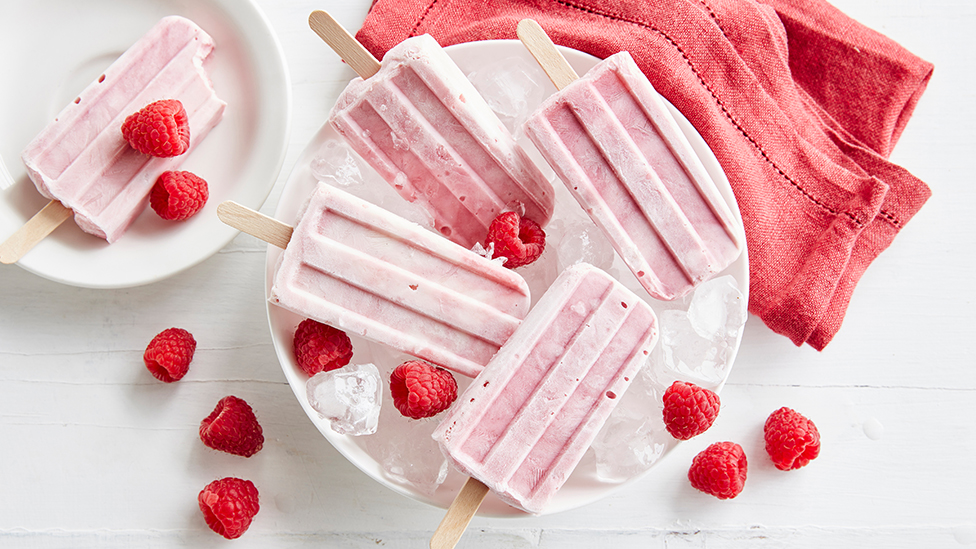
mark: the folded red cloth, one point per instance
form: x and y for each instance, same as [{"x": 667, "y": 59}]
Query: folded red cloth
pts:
[{"x": 800, "y": 104}]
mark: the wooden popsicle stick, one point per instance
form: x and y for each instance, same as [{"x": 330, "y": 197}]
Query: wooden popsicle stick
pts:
[
  {"x": 345, "y": 44},
  {"x": 459, "y": 514},
  {"x": 541, "y": 47},
  {"x": 254, "y": 223},
  {"x": 35, "y": 230}
]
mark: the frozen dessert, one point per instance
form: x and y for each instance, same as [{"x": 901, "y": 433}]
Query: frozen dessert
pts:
[
  {"x": 81, "y": 159},
  {"x": 611, "y": 139},
  {"x": 524, "y": 423},
  {"x": 427, "y": 131},
  {"x": 367, "y": 271}
]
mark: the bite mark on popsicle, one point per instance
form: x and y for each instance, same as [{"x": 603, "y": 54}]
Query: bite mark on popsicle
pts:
[{"x": 82, "y": 160}]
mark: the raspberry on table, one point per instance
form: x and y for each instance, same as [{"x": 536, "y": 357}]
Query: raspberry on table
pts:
[
  {"x": 521, "y": 241},
  {"x": 177, "y": 196},
  {"x": 228, "y": 505},
  {"x": 719, "y": 470},
  {"x": 792, "y": 440},
  {"x": 320, "y": 347},
  {"x": 421, "y": 390},
  {"x": 689, "y": 410},
  {"x": 233, "y": 428},
  {"x": 168, "y": 355},
  {"x": 161, "y": 128}
]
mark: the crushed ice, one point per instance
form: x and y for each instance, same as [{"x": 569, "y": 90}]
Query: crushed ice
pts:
[
  {"x": 512, "y": 86},
  {"x": 335, "y": 163}
]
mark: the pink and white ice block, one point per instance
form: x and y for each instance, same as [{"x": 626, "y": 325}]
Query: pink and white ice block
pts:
[
  {"x": 525, "y": 422},
  {"x": 367, "y": 271},
  {"x": 427, "y": 131},
  {"x": 81, "y": 159},
  {"x": 611, "y": 139}
]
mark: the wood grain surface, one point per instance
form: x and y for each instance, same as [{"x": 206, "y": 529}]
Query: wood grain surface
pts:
[{"x": 97, "y": 453}]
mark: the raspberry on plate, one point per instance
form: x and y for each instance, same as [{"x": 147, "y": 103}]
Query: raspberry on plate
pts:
[
  {"x": 320, "y": 347},
  {"x": 159, "y": 129},
  {"x": 521, "y": 241},
  {"x": 689, "y": 410},
  {"x": 178, "y": 195},
  {"x": 792, "y": 440},
  {"x": 719, "y": 470},
  {"x": 233, "y": 428},
  {"x": 168, "y": 355},
  {"x": 228, "y": 505},
  {"x": 421, "y": 390}
]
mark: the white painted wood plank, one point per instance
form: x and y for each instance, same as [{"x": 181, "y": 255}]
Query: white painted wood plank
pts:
[{"x": 97, "y": 453}]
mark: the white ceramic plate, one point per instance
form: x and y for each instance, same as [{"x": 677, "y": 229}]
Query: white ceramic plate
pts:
[
  {"x": 584, "y": 485},
  {"x": 54, "y": 48}
]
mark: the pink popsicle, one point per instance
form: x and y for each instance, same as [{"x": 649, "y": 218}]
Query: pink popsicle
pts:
[
  {"x": 524, "y": 423},
  {"x": 610, "y": 138},
  {"x": 81, "y": 159},
  {"x": 424, "y": 127},
  {"x": 367, "y": 271}
]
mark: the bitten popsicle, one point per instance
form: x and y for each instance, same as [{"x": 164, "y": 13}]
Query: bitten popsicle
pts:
[
  {"x": 418, "y": 121},
  {"x": 525, "y": 422},
  {"x": 367, "y": 271},
  {"x": 611, "y": 139},
  {"x": 82, "y": 162}
]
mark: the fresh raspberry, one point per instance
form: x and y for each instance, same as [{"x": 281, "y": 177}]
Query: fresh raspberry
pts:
[
  {"x": 178, "y": 195},
  {"x": 169, "y": 354},
  {"x": 689, "y": 410},
  {"x": 791, "y": 439},
  {"x": 159, "y": 129},
  {"x": 320, "y": 347},
  {"x": 521, "y": 241},
  {"x": 228, "y": 505},
  {"x": 719, "y": 470},
  {"x": 233, "y": 428},
  {"x": 421, "y": 390}
]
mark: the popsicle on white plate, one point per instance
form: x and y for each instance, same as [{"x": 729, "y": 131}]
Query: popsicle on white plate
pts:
[
  {"x": 81, "y": 159},
  {"x": 525, "y": 422},
  {"x": 611, "y": 139},
  {"x": 357, "y": 267},
  {"x": 418, "y": 121}
]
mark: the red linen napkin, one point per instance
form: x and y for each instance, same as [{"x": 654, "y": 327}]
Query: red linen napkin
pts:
[{"x": 800, "y": 104}]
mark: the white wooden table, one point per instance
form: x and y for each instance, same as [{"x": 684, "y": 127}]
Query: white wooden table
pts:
[{"x": 95, "y": 453}]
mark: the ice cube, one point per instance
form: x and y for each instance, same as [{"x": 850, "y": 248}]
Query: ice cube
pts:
[
  {"x": 697, "y": 345},
  {"x": 578, "y": 241},
  {"x": 541, "y": 273},
  {"x": 377, "y": 191},
  {"x": 682, "y": 353},
  {"x": 405, "y": 450},
  {"x": 634, "y": 436},
  {"x": 335, "y": 163},
  {"x": 349, "y": 397},
  {"x": 718, "y": 310},
  {"x": 512, "y": 86}
]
